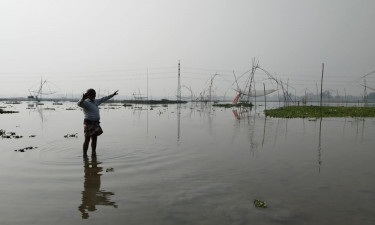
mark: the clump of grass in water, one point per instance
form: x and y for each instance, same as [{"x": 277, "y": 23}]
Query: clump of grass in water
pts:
[
  {"x": 109, "y": 170},
  {"x": 260, "y": 204},
  {"x": 25, "y": 149},
  {"x": 233, "y": 105},
  {"x": 317, "y": 111},
  {"x": 71, "y": 135},
  {"x": 9, "y": 135},
  {"x": 3, "y": 111}
]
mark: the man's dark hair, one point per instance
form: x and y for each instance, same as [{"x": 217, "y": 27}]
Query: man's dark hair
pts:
[{"x": 91, "y": 90}]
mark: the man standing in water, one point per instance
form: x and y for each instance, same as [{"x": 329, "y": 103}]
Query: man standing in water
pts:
[{"x": 91, "y": 123}]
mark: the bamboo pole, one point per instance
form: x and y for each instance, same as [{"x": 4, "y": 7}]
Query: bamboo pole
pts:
[
  {"x": 321, "y": 86},
  {"x": 365, "y": 94},
  {"x": 255, "y": 96},
  {"x": 265, "y": 98},
  {"x": 278, "y": 95}
]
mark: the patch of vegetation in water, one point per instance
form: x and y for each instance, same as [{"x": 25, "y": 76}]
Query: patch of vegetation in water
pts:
[
  {"x": 9, "y": 135},
  {"x": 317, "y": 111},
  {"x": 260, "y": 204},
  {"x": 25, "y": 149},
  {"x": 71, "y": 135},
  {"x": 233, "y": 105},
  {"x": 109, "y": 170},
  {"x": 4, "y": 111}
]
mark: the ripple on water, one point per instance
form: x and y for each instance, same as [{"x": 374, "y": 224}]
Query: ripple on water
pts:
[
  {"x": 146, "y": 157},
  {"x": 59, "y": 152},
  {"x": 66, "y": 155}
]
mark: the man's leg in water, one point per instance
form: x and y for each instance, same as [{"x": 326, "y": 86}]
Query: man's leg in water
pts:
[
  {"x": 86, "y": 145},
  {"x": 93, "y": 144}
]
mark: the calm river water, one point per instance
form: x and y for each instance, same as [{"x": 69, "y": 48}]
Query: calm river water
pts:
[{"x": 194, "y": 165}]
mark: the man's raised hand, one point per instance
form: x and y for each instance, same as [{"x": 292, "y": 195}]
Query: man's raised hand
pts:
[{"x": 85, "y": 96}]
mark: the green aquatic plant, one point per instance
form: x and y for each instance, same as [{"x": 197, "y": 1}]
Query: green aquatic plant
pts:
[
  {"x": 317, "y": 111},
  {"x": 71, "y": 135},
  {"x": 109, "y": 170},
  {"x": 9, "y": 135},
  {"x": 233, "y": 105},
  {"x": 260, "y": 204},
  {"x": 25, "y": 149},
  {"x": 3, "y": 111}
]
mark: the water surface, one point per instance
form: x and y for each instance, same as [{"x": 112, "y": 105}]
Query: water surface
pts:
[{"x": 190, "y": 165}]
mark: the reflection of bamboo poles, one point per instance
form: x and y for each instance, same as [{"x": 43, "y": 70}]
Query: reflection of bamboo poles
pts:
[
  {"x": 321, "y": 118},
  {"x": 320, "y": 144}
]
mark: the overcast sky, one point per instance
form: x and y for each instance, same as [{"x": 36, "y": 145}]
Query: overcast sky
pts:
[{"x": 113, "y": 44}]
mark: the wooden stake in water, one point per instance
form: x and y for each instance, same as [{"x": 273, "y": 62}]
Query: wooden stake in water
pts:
[
  {"x": 321, "y": 86},
  {"x": 265, "y": 98}
]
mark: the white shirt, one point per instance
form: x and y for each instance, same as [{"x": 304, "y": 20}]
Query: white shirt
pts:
[{"x": 91, "y": 109}]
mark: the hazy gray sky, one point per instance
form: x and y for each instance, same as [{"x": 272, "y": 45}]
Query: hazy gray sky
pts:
[{"x": 110, "y": 44}]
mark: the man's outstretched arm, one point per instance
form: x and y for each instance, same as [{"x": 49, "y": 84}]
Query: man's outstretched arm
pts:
[{"x": 107, "y": 97}]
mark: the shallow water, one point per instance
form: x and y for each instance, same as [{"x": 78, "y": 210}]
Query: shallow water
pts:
[{"x": 193, "y": 165}]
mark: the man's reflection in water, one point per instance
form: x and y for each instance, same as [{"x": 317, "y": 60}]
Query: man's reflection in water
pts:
[{"x": 92, "y": 195}]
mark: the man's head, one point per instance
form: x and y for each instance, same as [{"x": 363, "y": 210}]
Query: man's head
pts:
[{"x": 91, "y": 93}]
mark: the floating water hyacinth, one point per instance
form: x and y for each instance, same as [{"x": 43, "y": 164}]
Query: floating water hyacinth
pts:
[
  {"x": 260, "y": 204},
  {"x": 25, "y": 149},
  {"x": 4, "y": 111},
  {"x": 109, "y": 170},
  {"x": 71, "y": 135},
  {"x": 9, "y": 135},
  {"x": 317, "y": 111}
]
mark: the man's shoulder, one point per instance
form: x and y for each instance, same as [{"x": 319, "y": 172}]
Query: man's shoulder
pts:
[{"x": 87, "y": 102}]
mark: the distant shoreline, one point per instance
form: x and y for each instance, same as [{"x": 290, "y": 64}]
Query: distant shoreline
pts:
[{"x": 163, "y": 101}]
